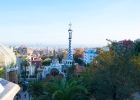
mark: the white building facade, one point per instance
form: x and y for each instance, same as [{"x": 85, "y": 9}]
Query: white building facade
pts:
[
  {"x": 53, "y": 71},
  {"x": 89, "y": 55}
]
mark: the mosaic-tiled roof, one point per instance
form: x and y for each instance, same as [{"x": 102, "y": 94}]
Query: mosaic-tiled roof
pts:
[{"x": 7, "y": 57}]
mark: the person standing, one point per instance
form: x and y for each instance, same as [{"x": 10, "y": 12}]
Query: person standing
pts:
[
  {"x": 19, "y": 95},
  {"x": 25, "y": 95}
]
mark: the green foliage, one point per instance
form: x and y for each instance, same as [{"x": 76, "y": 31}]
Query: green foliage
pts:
[
  {"x": 36, "y": 88},
  {"x": 112, "y": 75},
  {"x": 60, "y": 58},
  {"x": 137, "y": 46},
  {"x": 65, "y": 90},
  {"x": 99, "y": 50},
  {"x": 46, "y": 63},
  {"x": 25, "y": 62},
  {"x": 51, "y": 56},
  {"x": 78, "y": 55},
  {"x": 2, "y": 71},
  {"x": 70, "y": 71},
  {"x": 43, "y": 57}
]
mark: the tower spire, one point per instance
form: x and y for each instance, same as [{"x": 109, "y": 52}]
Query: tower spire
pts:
[{"x": 70, "y": 57}]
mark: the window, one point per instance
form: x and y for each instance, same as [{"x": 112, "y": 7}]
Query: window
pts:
[{"x": 54, "y": 73}]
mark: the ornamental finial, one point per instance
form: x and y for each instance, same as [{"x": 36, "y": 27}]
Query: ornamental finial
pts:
[{"x": 70, "y": 25}]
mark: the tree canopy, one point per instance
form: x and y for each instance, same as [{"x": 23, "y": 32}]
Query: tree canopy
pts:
[
  {"x": 43, "y": 57},
  {"x": 113, "y": 75},
  {"x": 78, "y": 56},
  {"x": 137, "y": 46},
  {"x": 46, "y": 62},
  {"x": 36, "y": 88},
  {"x": 65, "y": 90},
  {"x": 25, "y": 63}
]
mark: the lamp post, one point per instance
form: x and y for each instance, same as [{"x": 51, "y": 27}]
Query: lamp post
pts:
[{"x": 36, "y": 71}]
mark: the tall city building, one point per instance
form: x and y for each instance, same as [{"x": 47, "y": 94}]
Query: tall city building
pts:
[{"x": 70, "y": 55}]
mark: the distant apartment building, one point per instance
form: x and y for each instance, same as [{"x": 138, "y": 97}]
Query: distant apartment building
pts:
[
  {"x": 41, "y": 52},
  {"x": 24, "y": 50},
  {"x": 105, "y": 49},
  {"x": 89, "y": 55},
  {"x": 36, "y": 61},
  {"x": 137, "y": 40},
  {"x": 35, "y": 54},
  {"x": 126, "y": 43}
]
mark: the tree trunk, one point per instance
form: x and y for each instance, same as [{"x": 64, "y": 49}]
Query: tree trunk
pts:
[
  {"x": 25, "y": 74},
  {"x": 114, "y": 92},
  {"x": 114, "y": 96}
]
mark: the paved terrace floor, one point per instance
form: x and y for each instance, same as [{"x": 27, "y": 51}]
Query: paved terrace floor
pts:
[{"x": 22, "y": 95}]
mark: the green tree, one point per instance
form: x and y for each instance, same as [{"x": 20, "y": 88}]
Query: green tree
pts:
[
  {"x": 70, "y": 71},
  {"x": 36, "y": 89},
  {"x": 43, "y": 57},
  {"x": 112, "y": 75},
  {"x": 2, "y": 71},
  {"x": 59, "y": 57},
  {"x": 25, "y": 63},
  {"x": 46, "y": 63},
  {"x": 137, "y": 46},
  {"x": 51, "y": 56},
  {"x": 99, "y": 50},
  {"x": 65, "y": 90},
  {"x": 78, "y": 55}
]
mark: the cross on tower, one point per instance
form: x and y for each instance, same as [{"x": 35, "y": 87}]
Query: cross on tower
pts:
[{"x": 70, "y": 25}]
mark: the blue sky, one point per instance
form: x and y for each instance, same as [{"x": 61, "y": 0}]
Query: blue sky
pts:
[{"x": 46, "y": 21}]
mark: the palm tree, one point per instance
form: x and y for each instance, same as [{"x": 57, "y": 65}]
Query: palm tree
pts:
[
  {"x": 25, "y": 62},
  {"x": 65, "y": 90},
  {"x": 36, "y": 89}
]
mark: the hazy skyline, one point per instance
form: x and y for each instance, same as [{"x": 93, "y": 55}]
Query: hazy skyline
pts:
[{"x": 46, "y": 21}]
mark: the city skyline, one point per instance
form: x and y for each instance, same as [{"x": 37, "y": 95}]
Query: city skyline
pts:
[{"x": 46, "y": 22}]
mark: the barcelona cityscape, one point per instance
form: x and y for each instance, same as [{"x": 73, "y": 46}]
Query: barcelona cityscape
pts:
[{"x": 69, "y": 50}]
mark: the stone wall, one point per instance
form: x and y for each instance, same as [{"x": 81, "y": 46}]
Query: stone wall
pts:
[
  {"x": 10, "y": 90},
  {"x": 13, "y": 76}
]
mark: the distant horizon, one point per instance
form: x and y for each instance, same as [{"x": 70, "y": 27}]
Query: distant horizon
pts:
[
  {"x": 55, "y": 45},
  {"x": 47, "y": 21},
  {"x": 58, "y": 45}
]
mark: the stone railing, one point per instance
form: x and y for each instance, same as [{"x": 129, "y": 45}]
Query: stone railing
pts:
[{"x": 9, "y": 90}]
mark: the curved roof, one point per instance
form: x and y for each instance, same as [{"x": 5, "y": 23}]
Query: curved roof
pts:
[
  {"x": 7, "y": 56},
  {"x": 54, "y": 65},
  {"x": 1, "y": 60}
]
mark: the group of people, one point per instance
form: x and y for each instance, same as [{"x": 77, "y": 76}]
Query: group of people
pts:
[{"x": 18, "y": 96}]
